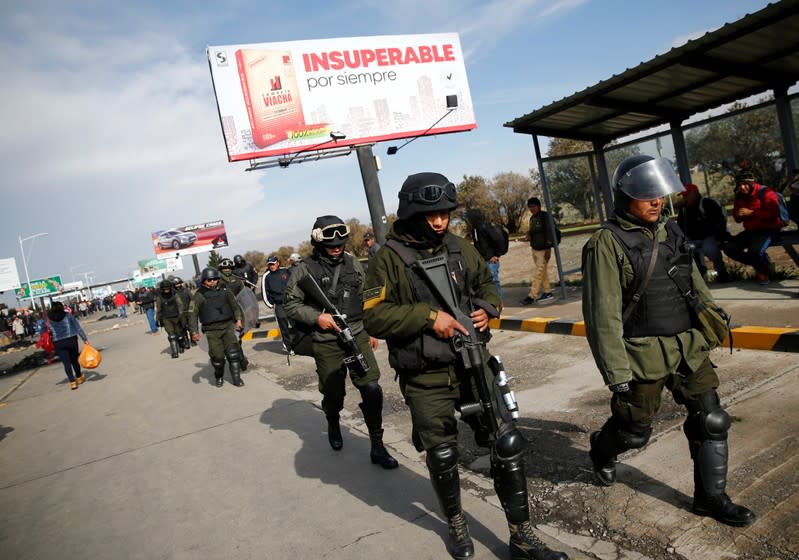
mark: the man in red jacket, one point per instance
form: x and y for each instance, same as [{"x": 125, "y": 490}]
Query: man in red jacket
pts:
[
  {"x": 121, "y": 303},
  {"x": 756, "y": 207}
]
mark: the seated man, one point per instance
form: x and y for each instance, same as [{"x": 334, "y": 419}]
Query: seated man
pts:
[
  {"x": 757, "y": 208},
  {"x": 704, "y": 222}
]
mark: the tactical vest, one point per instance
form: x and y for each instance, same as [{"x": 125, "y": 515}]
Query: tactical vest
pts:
[
  {"x": 427, "y": 350},
  {"x": 662, "y": 309},
  {"x": 344, "y": 292},
  {"x": 217, "y": 307},
  {"x": 169, "y": 306}
]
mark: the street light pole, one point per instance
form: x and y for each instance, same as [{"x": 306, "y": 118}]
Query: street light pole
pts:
[{"x": 25, "y": 264}]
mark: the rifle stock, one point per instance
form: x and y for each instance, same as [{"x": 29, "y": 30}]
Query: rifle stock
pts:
[{"x": 355, "y": 359}]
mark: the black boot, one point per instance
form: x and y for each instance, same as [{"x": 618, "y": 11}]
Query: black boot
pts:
[
  {"x": 173, "y": 346},
  {"x": 219, "y": 372},
  {"x": 379, "y": 454},
  {"x": 510, "y": 483},
  {"x": 245, "y": 363},
  {"x": 710, "y": 481},
  {"x": 235, "y": 373},
  {"x": 442, "y": 462},
  {"x": 372, "y": 409},
  {"x": 524, "y": 545},
  {"x": 334, "y": 432},
  {"x": 604, "y": 466}
]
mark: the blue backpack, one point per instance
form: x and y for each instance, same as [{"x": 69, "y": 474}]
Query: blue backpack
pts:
[{"x": 784, "y": 215}]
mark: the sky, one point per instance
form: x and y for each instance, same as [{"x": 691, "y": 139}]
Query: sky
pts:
[{"x": 110, "y": 129}]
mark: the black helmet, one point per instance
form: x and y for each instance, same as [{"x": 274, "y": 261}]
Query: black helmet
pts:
[
  {"x": 226, "y": 263},
  {"x": 165, "y": 284},
  {"x": 209, "y": 273},
  {"x": 329, "y": 231},
  {"x": 644, "y": 177},
  {"x": 238, "y": 260},
  {"x": 426, "y": 192}
]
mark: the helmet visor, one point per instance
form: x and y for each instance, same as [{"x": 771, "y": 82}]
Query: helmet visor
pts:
[
  {"x": 653, "y": 179},
  {"x": 332, "y": 232},
  {"x": 431, "y": 194}
]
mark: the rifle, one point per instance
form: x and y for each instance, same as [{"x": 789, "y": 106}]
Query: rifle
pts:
[
  {"x": 471, "y": 350},
  {"x": 354, "y": 359}
]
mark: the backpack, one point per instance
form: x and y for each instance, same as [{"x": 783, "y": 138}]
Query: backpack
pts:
[
  {"x": 558, "y": 234},
  {"x": 500, "y": 240},
  {"x": 784, "y": 215}
]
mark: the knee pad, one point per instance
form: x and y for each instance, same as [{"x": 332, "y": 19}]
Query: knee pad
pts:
[
  {"x": 632, "y": 435},
  {"x": 371, "y": 392},
  {"x": 233, "y": 353},
  {"x": 442, "y": 458},
  {"x": 706, "y": 419},
  {"x": 509, "y": 444}
]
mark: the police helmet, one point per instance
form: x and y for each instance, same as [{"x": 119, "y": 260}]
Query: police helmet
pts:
[
  {"x": 426, "y": 192},
  {"x": 209, "y": 273},
  {"x": 644, "y": 177},
  {"x": 226, "y": 263},
  {"x": 329, "y": 231},
  {"x": 295, "y": 257},
  {"x": 238, "y": 260},
  {"x": 165, "y": 284}
]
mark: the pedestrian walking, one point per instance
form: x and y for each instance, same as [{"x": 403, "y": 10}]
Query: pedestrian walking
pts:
[{"x": 66, "y": 329}]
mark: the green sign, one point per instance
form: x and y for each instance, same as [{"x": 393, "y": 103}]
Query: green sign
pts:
[
  {"x": 152, "y": 265},
  {"x": 38, "y": 288}
]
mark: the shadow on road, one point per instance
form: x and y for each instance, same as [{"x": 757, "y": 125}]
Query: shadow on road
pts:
[{"x": 398, "y": 492}]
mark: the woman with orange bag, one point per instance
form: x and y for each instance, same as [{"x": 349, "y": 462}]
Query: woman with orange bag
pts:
[{"x": 66, "y": 329}]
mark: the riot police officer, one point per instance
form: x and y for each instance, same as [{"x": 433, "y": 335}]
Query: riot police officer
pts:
[
  {"x": 235, "y": 284},
  {"x": 215, "y": 306},
  {"x": 168, "y": 309},
  {"x": 245, "y": 271},
  {"x": 636, "y": 272},
  {"x": 340, "y": 276},
  {"x": 182, "y": 290},
  {"x": 400, "y": 307}
]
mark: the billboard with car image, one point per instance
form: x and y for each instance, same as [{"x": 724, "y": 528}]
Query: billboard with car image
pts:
[{"x": 175, "y": 242}]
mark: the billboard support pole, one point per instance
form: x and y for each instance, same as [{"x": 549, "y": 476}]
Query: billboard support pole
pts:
[
  {"x": 374, "y": 198},
  {"x": 196, "y": 264}
]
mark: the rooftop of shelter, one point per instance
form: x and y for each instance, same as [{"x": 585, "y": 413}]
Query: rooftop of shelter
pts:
[{"x": 757, "y": 53}]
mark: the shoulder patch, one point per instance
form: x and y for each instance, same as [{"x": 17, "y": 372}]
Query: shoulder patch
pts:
[{"x": 373, "y": 296}]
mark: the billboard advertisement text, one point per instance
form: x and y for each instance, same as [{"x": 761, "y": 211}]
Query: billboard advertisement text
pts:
[
  {"x": 281, "y": 98},
  {"x": 42, "y": 287}
]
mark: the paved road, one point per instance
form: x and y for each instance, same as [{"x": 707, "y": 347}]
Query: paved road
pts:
[{"x": 149, "y": 460}]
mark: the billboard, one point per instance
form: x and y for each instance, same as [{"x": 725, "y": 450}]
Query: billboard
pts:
[
  {"x": 38, "y": 288},
  {"x": 151, "y": 268},
  {"x": 281, "y": 98},
  {"x": 187, "y": 240},
  {"x": 9, "y": 277}
]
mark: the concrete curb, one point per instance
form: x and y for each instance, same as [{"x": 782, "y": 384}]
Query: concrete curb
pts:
[{"x": 748, "y": 336}]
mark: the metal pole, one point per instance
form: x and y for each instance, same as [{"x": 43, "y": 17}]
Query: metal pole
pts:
[
  {"x": 27, "y": 277},
  {"x": 548, "y": 202},
  {"x": 787, "y": 131},
  {"x": 196, "y": 264},
  {"x": 604, "y": 179},
  {"x": 374, "y": 198}
]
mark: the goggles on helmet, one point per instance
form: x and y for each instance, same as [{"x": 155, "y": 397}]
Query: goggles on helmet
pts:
[
  {"x": 430, "y": 194},
  {"x": 331, "y": 232}
]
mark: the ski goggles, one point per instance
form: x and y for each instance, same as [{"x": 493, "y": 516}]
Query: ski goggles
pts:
[
  {"x": 331, "y": 232},
  {"x": 431, "y": 194}
]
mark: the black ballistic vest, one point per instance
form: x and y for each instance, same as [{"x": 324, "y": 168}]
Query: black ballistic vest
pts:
[
  {"x": 169, "y": 306},
  {"x": 427, "y": 350},
  {"x": 217, "y": 307},
  {"x": 344, "y": 292},
  {"x": 662, "y": 310}
]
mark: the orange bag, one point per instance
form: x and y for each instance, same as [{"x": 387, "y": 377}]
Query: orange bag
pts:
[{"x": 89, "y": 357}]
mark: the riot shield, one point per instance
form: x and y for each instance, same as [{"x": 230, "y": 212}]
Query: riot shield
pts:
[{"x": 249, "y": 308}]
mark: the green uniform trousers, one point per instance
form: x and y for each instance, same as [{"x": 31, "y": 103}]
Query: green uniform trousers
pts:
[
  {"x": 331, "y": 370},
  {"x": 433, "y": 408},
  {"x": 220, "y": 336},
  {"x": 172, "y": 326},
  {"x": 642, "y": 401}
]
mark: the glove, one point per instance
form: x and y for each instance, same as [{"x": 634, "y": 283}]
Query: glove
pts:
[{"x": 620, "y": 387}]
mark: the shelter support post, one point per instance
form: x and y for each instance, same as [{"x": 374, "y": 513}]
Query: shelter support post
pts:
[
  {"x": 604, "y": 177},
  {"x": 597, "y": 194},
  {"x": 548, "y": 203},
  {"x": 787, "y": 130},
  {"x": 196, "y": 264},
  {"x": 374, "y": 198},
  {"x": 680, "y": 154}
]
